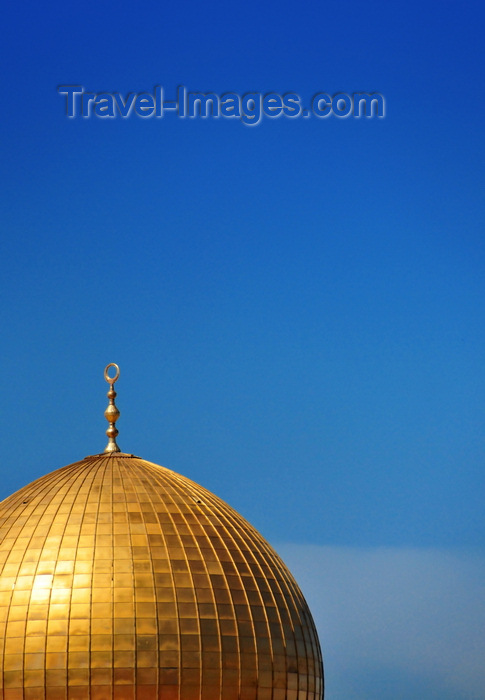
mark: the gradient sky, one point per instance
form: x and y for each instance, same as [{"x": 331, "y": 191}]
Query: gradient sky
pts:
[{"x": 297, "y": 307}]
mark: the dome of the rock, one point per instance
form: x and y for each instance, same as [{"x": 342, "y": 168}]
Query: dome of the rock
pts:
[{"x": 122, "y": 580}]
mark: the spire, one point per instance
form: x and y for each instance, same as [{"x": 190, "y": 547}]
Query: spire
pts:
[{"x": 111, "y": 414}]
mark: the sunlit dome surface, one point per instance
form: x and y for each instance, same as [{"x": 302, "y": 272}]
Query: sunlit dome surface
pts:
[{"x": 122, "y": 579}]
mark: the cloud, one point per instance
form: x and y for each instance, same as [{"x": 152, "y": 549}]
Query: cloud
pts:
[{"x": 396, "y": 624}]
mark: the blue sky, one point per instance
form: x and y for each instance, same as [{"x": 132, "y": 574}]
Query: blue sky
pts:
[{"x": 297, "y": 307}]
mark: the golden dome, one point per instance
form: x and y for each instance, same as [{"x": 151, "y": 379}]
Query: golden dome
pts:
[{"x": 122, "y": 580}]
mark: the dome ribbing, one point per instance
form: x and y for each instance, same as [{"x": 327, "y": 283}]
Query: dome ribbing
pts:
[{"x": 121, "y": 579}]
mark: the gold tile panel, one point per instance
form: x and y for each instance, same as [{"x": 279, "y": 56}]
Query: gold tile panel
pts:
[{"x": 122, "y": 580}]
